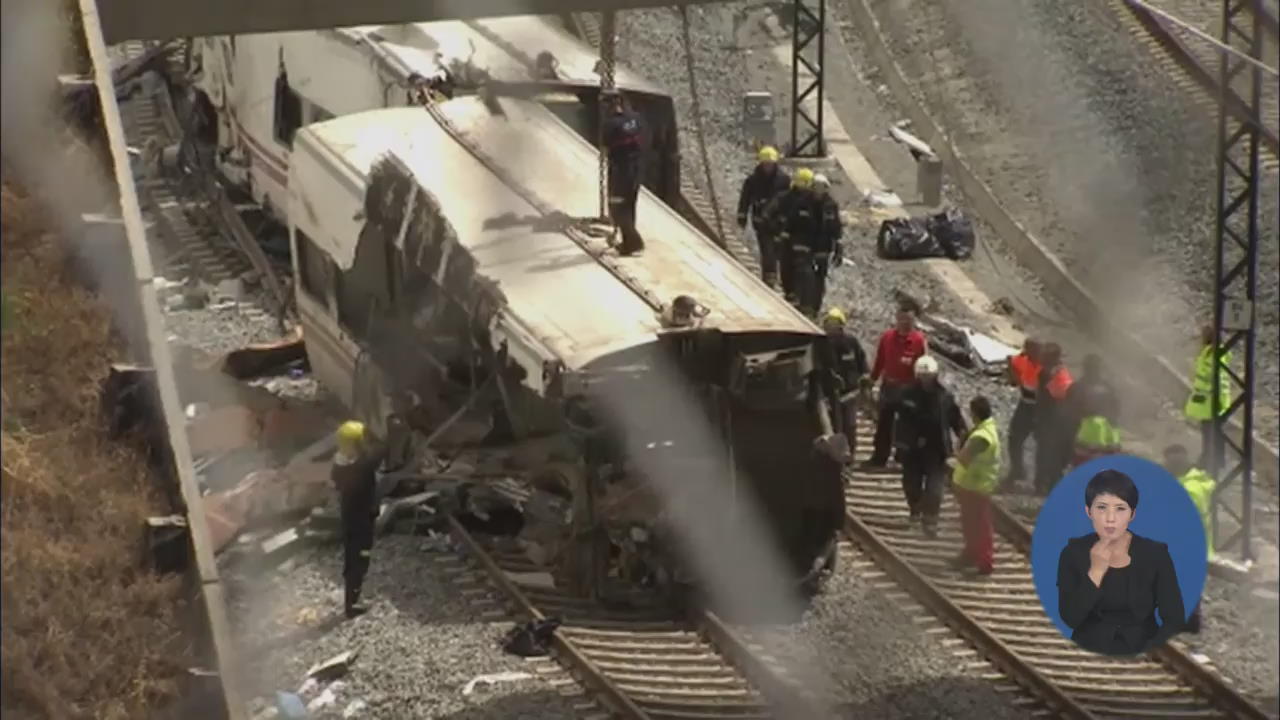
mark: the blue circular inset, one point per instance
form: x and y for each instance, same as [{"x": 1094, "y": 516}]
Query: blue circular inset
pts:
[{"x": 1164, "y": 513}]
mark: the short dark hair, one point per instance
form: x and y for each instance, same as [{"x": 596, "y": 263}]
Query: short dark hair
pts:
[
  {"x": 1112, "y": 482},
  {"x": 980, "y": 406}
]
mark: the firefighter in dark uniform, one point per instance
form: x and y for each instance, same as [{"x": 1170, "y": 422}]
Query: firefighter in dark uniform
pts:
[
  {"x": 827, "y": 251},
  {"x": 355, "y": 468},
  {"x": 849, "y": 366},
  {"x": 797, "y": 216},
  {"x": 765, "y": 183},
  {"x": 623, "y": 137}
]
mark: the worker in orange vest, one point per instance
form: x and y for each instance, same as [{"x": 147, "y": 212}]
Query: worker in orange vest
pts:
[
  {"x": 1054, "y": 436},
  {"x": 1023, "y": 373}
]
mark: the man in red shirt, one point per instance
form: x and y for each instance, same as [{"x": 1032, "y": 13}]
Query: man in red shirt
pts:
[{"x": 896, "y": 354}]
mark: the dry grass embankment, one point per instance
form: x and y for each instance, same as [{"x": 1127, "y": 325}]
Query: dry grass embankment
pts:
[{"x": 87, "y": 631}]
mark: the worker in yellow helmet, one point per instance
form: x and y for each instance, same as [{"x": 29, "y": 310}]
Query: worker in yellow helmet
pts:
[
  {"x": 355, "y": 468},
  {"x": 797, "y": 215},
  {"x": 848, "y": 365},
  {"x": 1199, "y": 406},
  {"x": 1200, "y": 485},
  {"x": 765, "y": 183}
]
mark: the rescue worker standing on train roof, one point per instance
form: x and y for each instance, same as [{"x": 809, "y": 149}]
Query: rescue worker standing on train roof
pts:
[
  {"x": 826, "y": 251},
  {"x": 896, "y": 354},
  {"x": 1200, "y": 485},
  {"x": 623, "y": 140},
  {"x": 1199, "y": 406},
  {"x": 928, "y": 416},
  {"x": 1024, "y": 374},
  {"x": 355, "y": 467},
  {"x": 765, "y": 183},
  {"x": 1053, "y": 430},
  {"x": 974, "y": 477},
  {"x": 849, "y": 366},
  {"x": 797, "y": 215}
]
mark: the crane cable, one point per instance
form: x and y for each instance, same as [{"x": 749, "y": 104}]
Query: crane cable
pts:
[
  {"x": 697, "y": 119},
  {"x": 608, "y": 38}
]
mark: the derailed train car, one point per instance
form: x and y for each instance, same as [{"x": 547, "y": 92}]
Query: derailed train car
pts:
[
  {"x": 442, "y": 250},
  {"x": 261, "y": 88}
]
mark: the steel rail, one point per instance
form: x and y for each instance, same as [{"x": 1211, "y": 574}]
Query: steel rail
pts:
[
  {"x": 1161, "y": 30},
  {"x": 594, "y": 675}
]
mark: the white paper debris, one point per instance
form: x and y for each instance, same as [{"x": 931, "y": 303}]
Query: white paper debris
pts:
[{"x": 509, "y": 676}]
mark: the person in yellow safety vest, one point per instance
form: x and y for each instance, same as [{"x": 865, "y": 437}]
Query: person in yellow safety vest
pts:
[
  {"x": 1199, "y": 406},
  {"x": 1200, "y": 485},
  {"x": 1096, "y": 435},
  {"x": 975, "y": 476}
]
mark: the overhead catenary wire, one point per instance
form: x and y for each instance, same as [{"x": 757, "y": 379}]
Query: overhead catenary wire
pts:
[{"x": 1206, "y": 37}]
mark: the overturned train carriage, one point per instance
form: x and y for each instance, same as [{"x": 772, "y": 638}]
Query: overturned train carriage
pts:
[
  {"x": 441, "y": 253},
  {"x": 263, "y": 87}
]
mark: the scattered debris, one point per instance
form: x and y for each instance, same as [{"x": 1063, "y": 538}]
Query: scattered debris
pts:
[
  {"x": 327, "y": 697},
  {"x": 265, "y": 358},
  {"x": 1002, "y": 306},
  {"x": 882, "y": 199},
  {"x": 290, "y": 706},
  {"x": 542, "y": 580},
  {"x": 333, "y": 668},
  {"x": 532, "y": 639},
  {"x": 494, "y": 678},
  {"x": 946, "y": 234},
  {"x": 354, "y": 709},
  {"x": 167, "y": 543}
]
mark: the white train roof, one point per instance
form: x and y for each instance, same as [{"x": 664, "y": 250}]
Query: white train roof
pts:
[
  {"x": 574, "y": 305},
  {"x": 502, "y": 46}
]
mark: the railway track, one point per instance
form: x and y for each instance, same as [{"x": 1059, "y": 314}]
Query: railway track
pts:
[
  {"x": 194, "y": 226},
  {"x": 1195, "y": 62},
  {"x": 1001, "y": 620},
  {"x": 643, "y": 662}
]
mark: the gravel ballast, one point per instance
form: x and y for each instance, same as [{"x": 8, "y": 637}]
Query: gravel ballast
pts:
[
  {"x": 419, "y": 645},
  {"x": 1097, "y": 149}
]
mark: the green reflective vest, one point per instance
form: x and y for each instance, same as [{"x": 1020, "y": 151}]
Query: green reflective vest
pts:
[
  {"x": 1097, "y": 433},
  {"x": 1199, "y": 406},
  {"x": 983, "y": 472},
  {"x": 1200, "y": 485}
]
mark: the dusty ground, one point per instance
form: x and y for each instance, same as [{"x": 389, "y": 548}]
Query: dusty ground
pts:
[{"x": 74, "y": 504}]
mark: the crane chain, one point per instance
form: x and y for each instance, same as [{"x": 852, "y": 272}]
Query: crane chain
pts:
[{"x": 608, "y": 40}]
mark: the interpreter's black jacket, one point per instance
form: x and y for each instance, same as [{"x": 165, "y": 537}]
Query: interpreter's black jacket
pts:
[
  {"x": 758, "y": 189},
  {"x": 1151, "y": 584},
  {"x": 925, "y": 415}
]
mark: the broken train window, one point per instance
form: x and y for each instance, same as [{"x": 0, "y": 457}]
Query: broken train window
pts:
[
  {"x": 288, "y": 110},
  {"x": 314, "y": 269}
]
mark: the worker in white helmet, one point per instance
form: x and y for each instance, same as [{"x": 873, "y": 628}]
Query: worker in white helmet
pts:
[
  {"x": 765, "y": 183},
  {"x": 826, "y": 248},
  {"x": 928, "y": 417},
  {"x": 355, "y": 468}
]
